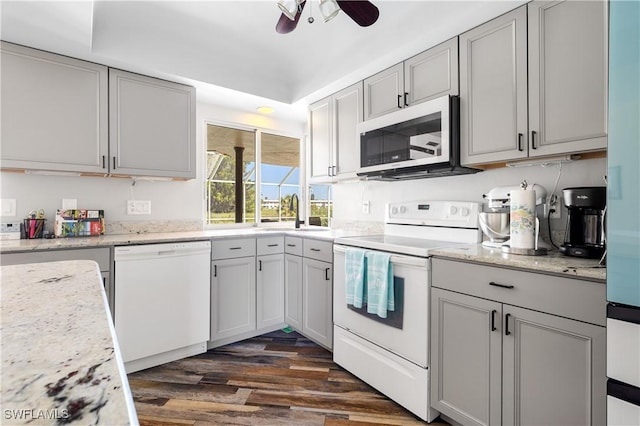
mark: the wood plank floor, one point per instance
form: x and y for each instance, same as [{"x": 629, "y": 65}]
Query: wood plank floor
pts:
[{"x": 275, "y": 379}]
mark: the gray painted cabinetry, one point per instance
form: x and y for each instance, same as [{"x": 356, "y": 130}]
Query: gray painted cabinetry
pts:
[
  {"x": 513, "y": 347},
  {"x": 64, "y": 114},
  {"x": 54, "y": 112},
  {"x": 293, "y": 282},
  {"x": 428, "y": 75},
  {"x": 270, "y": 282},
  {"x": 333, "y": 139},
  {"x": 233, "y": 288},
  {"x": 533, "y": 82},
  {"x": 151, "y": 126}
]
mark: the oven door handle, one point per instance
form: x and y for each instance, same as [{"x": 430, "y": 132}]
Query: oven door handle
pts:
[{"x": 418, "y": 262}]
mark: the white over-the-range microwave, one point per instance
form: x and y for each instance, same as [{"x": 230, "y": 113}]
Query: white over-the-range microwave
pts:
[{"x": 416, "y": 142}]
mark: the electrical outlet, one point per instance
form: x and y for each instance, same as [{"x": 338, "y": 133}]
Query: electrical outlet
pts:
[
  {"x": 8, "y": 207},
  {"x": 69, "y": 204},
  {"x": 365, "y": 207},
  {"x": 555, "y": 209},
  {"x": 139, "y": 207}
]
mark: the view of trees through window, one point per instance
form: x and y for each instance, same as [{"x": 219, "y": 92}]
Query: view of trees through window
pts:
[{"x": 279, "y": 167}]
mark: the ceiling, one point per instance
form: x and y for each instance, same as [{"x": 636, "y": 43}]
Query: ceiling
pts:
[{"x": 230, "y": 50}]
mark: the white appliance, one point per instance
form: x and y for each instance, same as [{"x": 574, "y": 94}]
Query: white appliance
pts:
[
  {"x": 162, "y": 302},
  {"x": 392, "y": 354}
]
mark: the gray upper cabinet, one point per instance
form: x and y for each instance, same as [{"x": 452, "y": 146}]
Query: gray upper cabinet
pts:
[
  {"x": 556, "y": 104},
  {"x": 333, "y": 138},
  {"x": 428, "y": 75},
  {"x": 54, "y": 112},
  {"x": 384, "y": 92},
  {"x": 568, "y": 61},
  {"x": 493, "y": 90},
  {"x": 152, "y": 126}
]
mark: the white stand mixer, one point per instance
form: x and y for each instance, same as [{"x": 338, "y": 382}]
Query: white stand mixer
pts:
[{"x": 494, "y": 220}]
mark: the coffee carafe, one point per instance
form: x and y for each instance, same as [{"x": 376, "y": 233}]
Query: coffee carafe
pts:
[{"x": 585, "y": 232}]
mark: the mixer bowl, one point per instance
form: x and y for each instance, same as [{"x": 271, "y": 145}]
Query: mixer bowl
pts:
[{"x": 495, "y": 225}]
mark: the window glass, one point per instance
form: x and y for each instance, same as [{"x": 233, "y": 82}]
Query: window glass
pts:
[
  {"x": 227, "y": 147},
  {"x": 320, "y": 205},
  {"x": 280, "y": 178}
]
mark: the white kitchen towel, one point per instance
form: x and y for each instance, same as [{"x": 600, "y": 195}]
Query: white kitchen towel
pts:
[
  {"x": 379, "y": 280},
  {"x": 354, "y": 277},
  {"x": 522, "y": 218}
]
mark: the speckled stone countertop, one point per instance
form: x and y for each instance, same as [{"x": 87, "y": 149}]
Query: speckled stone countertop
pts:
[
  {"x": 553, "y": 263},
  {"x": 9, "y": 246},
  {"x": 60, "y": 360}
]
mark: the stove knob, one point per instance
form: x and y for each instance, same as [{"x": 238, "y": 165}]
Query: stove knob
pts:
[
  {"x": 453, "y": 210},
  {"x": 464, "y": 211},
  {"x": 403, "y": 209}
]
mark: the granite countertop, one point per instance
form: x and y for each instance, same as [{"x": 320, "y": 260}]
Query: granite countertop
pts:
[
  {"x": 9, "y": 246},
  {"x": 553, "y": 263},
  {"x": 60, "y": 359}
]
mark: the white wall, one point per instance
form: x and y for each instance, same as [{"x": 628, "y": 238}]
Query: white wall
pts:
[
  {"x": 348, "y": 196},
  {"x": 170, "y": 201}
]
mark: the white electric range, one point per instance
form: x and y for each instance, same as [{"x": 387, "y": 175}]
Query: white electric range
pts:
[{"x": 392, "y": 354}]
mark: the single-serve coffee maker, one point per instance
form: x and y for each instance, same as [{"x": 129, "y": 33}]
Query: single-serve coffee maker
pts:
[{"x": 585, "y": 233}]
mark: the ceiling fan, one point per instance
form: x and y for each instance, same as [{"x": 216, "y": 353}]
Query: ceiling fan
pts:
[{"x": 363, "y": 13}]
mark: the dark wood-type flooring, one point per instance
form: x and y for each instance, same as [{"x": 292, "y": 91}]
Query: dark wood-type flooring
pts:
[{"x": 275, "y": 379}]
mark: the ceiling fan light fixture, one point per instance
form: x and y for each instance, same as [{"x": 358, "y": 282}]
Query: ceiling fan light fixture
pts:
[
  {"x": 329, "y": 9},
  {"x": 289, "y": 8}
]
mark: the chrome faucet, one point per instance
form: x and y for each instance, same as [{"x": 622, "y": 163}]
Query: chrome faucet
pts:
[{"x": 297, "y": 207}]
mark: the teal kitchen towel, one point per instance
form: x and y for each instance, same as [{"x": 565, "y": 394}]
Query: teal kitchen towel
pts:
[
  {"x": 379, "y": 279},
  {"x": 354, "y": 276}
]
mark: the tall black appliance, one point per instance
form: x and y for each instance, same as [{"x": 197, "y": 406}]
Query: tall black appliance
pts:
[{"x": 585, "y": 233}]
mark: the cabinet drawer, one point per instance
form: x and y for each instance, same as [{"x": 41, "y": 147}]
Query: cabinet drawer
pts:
[
  {"x": 320, "y": 250},
  {"x": 270, "y": 245},
  {"x": 100, "y": 255},
  {"x": 227, "y": 249},
  {"x": 293, "y": 245},
  {"x": 566, "y": 297}
]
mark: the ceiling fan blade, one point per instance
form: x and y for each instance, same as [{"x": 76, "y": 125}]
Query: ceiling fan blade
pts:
[
  {"x": 286, "y": 25},
  {"x": 364, "y": 13}
]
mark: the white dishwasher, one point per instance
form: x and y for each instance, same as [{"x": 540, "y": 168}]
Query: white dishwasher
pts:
[{"x": 162, "y": 302}]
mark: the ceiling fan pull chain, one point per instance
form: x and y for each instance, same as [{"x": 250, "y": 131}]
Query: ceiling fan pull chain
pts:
[{"x": 310, "y": 18}]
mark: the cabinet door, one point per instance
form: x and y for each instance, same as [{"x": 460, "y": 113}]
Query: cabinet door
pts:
[
  {"x": 347, "y": 113},
  {"x": 466, "y": 357},
  {"x": 493, "y": 90},
  {"x": 152, "y": 126},
  {"x": 270, "y": 290},
  {"x": 384, "y": 92},
  {"x": 433, "y": 73},
  {"x": 54, "y": 112},
  {"x": 568, "y": 63},
  {"x": 317, "y": 301},
  {"x": 553, "y": 371},
  {"x": 293, "y": 291},
  {"x": 320, "y": 139},
  {"x": 233, "y": 297}
]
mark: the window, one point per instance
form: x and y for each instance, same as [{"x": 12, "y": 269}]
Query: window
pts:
[
  {"x": 231, "y": 157},
  {"x": 320, "y": 205}
]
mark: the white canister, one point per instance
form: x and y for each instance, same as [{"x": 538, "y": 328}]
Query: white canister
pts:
[{"x": 522, "y": 218}]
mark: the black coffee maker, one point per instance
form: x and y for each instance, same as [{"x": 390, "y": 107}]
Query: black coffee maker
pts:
[{"x": 585, "y": 233}]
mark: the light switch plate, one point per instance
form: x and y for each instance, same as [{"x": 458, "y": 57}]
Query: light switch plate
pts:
[
  {"x": 139, "y": 207},
  {"x": 7, "y": 207},
  {"x": 69, "y": 204}
]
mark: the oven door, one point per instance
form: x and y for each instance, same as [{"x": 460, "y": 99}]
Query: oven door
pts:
[{"x": 405, "y": 331}]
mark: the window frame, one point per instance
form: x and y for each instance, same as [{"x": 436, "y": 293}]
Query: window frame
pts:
[{"x": 258, "y": 131}]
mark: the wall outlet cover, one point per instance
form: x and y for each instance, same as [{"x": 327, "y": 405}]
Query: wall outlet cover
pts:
[
  {"x": 69, "y": 204},
  {"x": 139, "y": 207}
]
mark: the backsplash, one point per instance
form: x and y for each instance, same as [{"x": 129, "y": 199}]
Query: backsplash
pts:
[{"x": 151, "y": 226}]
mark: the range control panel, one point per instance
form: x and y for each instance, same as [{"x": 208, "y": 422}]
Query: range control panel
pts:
[{"x": 435, "y": 213}]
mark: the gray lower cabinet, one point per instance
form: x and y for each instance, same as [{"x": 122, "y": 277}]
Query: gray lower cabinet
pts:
[
  {"x": 54, "y": 112},
  {"x": 233, "y": 288},
  {"x": 102, "y": 256},
  {"x": 151, "y": 126},
  {"x": 270, "y": 282},
  {"x": 293, "y": 282},
  {"x": 503, "y": 352},
  {"x": 317, "y": 291},
  {"x": 533, "y": 82}
]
